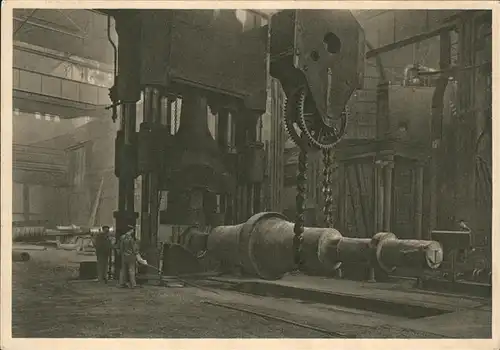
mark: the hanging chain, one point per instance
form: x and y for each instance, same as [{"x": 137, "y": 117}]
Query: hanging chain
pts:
[
  {"x": 327, "y": 190},
  {"x": 300, "y": 201}
]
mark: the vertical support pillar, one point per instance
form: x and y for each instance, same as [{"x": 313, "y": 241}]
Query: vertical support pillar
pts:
[
  {"x": 436, "y": 127},
  {"x": 379, "y": 196},
  {"x": 127, "y": 90},
  {"x": 151, "y": 178},
  {"x": 126, "y": 163},
  {"x": 382, "y": 176},
  {"x": 388, "y": 171},
  {"x": 342, "y": 197},
  {"x": 419, "y": 193},
  {"x": 466, "y": 126},
  {"x": 250, "y": 199}
]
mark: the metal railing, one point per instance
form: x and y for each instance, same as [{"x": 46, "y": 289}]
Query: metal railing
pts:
[{"x": 62, "y": 88}]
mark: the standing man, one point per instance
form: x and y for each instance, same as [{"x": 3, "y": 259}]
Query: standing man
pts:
[
  {"x": 128, "y": 250},
  {"x": 102, "y": 243}
]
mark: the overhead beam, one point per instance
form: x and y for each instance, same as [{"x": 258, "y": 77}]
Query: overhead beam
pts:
[
  {"x": 60, "y": 31},
  {"x": 29, "y": 102},
  {"x": 409, "y": 41},
  {"x": 61, "y": 56}
]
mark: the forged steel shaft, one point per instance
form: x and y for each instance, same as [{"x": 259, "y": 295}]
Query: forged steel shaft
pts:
[{"x": 263, "y": 247}]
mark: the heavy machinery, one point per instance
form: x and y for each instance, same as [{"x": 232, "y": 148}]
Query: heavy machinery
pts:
[{"x": 211, "y": 60}]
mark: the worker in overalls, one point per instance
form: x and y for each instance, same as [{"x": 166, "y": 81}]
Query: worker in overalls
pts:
[
  {"x": 128, "y": 250},
  {"x": 103, "y": 245}
]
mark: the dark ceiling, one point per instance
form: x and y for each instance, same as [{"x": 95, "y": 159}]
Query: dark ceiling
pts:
[
  {"x": 77, "y": 32},
  {"x": 83, "y": 32}
]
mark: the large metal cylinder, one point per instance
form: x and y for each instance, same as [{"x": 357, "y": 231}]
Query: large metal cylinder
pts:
[{"x": 263, "y": 247}]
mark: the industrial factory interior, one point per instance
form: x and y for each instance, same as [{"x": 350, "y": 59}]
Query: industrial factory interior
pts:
[{"x": 230, "y": 173}]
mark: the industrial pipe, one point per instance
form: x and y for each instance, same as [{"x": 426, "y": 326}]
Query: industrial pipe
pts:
[{"x": 20, "y": 256}]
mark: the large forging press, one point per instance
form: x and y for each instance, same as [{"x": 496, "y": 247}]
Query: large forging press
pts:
[{"x": 215, "y": 61}]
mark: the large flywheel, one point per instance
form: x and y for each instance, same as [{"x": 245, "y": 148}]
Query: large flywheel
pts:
[{"x": 306, "y": 126}]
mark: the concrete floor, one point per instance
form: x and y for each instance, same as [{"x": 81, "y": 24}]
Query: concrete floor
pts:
[{"x": 48, "y": 301}]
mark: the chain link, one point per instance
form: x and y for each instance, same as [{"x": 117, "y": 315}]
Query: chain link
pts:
[
  {"x": 327, "y": 190},
  {"x": 300, "y": 201}
]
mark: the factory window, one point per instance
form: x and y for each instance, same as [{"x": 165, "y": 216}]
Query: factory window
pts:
[
  {"x": 176, "y": 115},
  {"x": 259, "y": 129},
  {"x": 231, "y": 133},
  {"x": 77, "y": 165},
  {"x": 218, "y": 204},
  {"x": 212, "y": 121}
]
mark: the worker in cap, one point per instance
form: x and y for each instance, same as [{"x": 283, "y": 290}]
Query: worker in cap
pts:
[
  {"x": 102, "y": 241},
  {"x": 128, "y": 250}
]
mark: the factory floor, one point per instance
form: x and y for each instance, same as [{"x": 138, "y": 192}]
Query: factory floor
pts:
[{"x": 50, "y": 302}]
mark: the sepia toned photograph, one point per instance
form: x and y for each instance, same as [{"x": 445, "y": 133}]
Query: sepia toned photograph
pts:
[{"x": 235, "y": 174}]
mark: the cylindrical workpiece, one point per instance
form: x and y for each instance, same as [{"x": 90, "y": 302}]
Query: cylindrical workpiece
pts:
[{"x": 393, "y": 253}]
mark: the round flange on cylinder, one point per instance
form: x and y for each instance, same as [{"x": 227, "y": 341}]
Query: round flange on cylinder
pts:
[
  {"x": 319, "y": 250},
  {"x": 375, "y": 242},
  {"x": 393, "y": 253},
  {"x": 262, "y": 246},
  {"x": 266, "y": 245}
]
